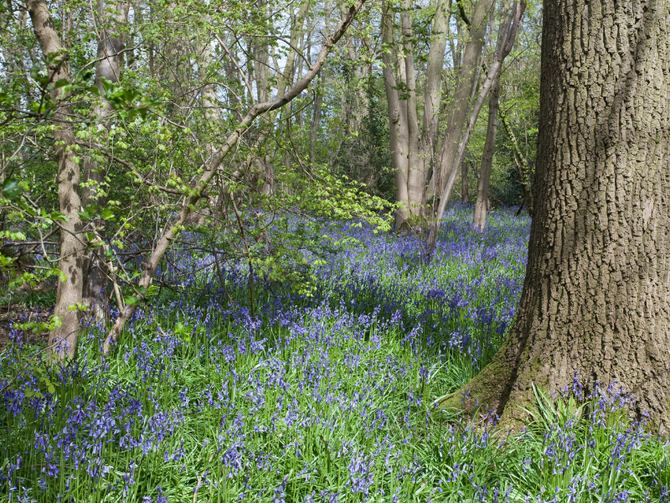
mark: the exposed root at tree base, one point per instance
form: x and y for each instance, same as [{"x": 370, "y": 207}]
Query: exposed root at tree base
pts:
[
  {"x": 486, "y": 394},
  {"x": 498, "y": 394}
]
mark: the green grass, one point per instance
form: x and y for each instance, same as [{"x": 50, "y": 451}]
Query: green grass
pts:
[{"x": 320, "y": 401}]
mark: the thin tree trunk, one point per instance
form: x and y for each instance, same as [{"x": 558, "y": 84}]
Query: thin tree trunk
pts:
[
  {"x": 521, "y": 163},
  {"x": 108, "y": 67},
  {"x": 464, "y": 182},
  {"x": 466, "y": 82},
  {"x": 213, "y": 124},
  {"x": 285, "y": 81},
  {"x": 262, "y": 66},
  {"x": 360, "y": 97},
  {"x": 595, "y": 300},
  {"x": 286, "y": 78},
  {"x": 71, "y": 263},
  {"x": 502, "y": 50},
  {"x": 398, "y": 130},
  {"x": 432, "y": 95},
  {"x": 416, "y": 173},
  {"x": 455, "y": 47},
  {"x": 481, "y": 206},
  {"x": 316, "y": 118}
]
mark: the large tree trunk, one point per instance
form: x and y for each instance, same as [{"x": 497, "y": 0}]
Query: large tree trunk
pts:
[
  {"x": 597, "y": 290},
  {"x": 63, "y": 339}
]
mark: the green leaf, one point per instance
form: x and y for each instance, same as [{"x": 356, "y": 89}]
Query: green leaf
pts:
[
  {"x": 77, "y": 306},
  {"x": 56, "y": 272},
  {"x": 60, "y": 83},
  {"x": 6, "y": 99},
  {"x": 86, "y": 73},
  {"x": 11, "y": 189},
  {"x": 58, "y": 216},
  {"x": 108, "y": 214}
]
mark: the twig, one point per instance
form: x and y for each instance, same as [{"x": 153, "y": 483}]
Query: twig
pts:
[{"x": 246, "y": 246}]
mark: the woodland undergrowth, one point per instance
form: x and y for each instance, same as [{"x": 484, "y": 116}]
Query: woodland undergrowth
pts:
[{"x": 327, "y": 395}]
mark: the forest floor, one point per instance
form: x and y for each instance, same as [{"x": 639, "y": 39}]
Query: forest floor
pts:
[
  {"x": 327, "y": 397},
  {"x": 11, "y": 312}
]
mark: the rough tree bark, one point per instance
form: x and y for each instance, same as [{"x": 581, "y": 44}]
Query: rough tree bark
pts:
[
  {"x": 63, "y": 339},
  {"x": 597, "y": 288}
]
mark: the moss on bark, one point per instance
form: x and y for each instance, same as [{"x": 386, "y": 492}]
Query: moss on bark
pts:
[{"x": 485, "y": 392}]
